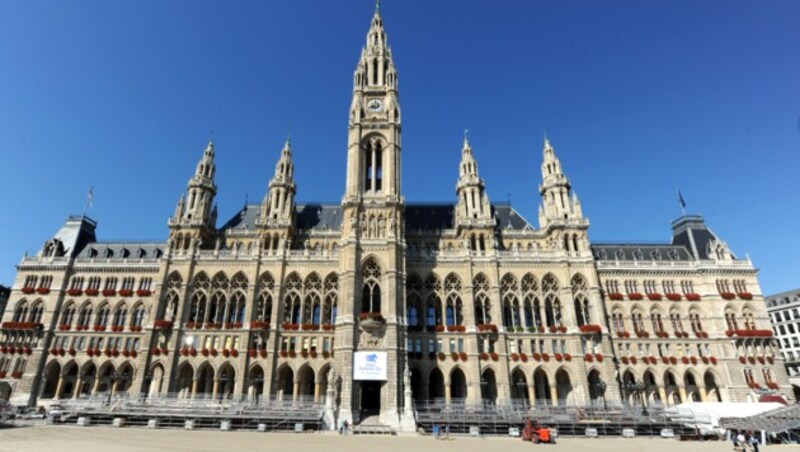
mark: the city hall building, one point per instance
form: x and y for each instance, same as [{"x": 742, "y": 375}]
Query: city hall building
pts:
[{"x": 376, "y": 302}]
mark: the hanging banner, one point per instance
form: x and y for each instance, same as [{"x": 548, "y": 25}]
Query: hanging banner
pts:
[{"x": 369, "y": 366}]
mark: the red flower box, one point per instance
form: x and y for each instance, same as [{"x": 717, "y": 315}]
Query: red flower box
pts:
[
  {"x": 553, "y": 329},
  {"x": 635, "y": 296},
  {"x": 263, "y": 353},
  {"x": 290, "y": 326},
  {"x": 642, "y": 334},
  {"x": 327, "y": 355},
  {"x": 772, "y": 385},
  {"x": 514, "y": 357},
  {"x": 134, "y": 353},
  {"x": 234, "y": 352},
  {"x": 213, "y": 326},
  {"x": 22, "y": 325},
  {"x": 770, "y": 359},
  {"x": 261, "y": 325},
  {"x": 624, "y": 360},
  {"x": 487, "y": 327},
  {"x": 463, "y": 356},
  {"x": 752, "y": 359},
  {"x": 634, "y": 360},
  {"x": 284, "y": 353},
  {"x": 742, "y": 359},
  {"x": 143, "y": 293},
  {"x": 115, "y": 353},
  {"x": 665, "y": 359},
  {"x": 92, "y": 292},
  {"x": 162, "y": 325},
  {"x": 484, "y": 356},
  {"x": 252, "y": 352},
  {"x": 567, "y": 357},
  {"x": 327, "y": 327},
  {"x": 442, "y": 356},
  {"x": 588, "y": 357},
  {"x": 204, "y": 352},
  {"x": 193, "y": 352},
  {"x": 155, "y": 351},
  {"x": 107, "y": 352},
  {"x": 126, "y": 353},
  {"x": 43, "y": 290},
  {"x": 674, "y": 297},
  {"x": 705, "y": 360},
  {"x": 184, "y": 351},
  {"x": 28, "y": 290},
  {"x": 727, "y": 295},
  {"x": 108, "y": 292},
  {"x": 562, "y": 329},
  {"x": 439, "y": 328},
  {"x": 761, "y": 359},
  {"x": 213, "y": 352},
  {"x": 125, "y": 292},
  {"x": 713, "y": 360},
  {"x": 590, "y": 329},
  {"x": 673, "y": 360},
  {"x": 16, "y": 375},
  {"x": 654, "y": 296},
  {"x": 494, "y": 356},
  {"x": 545, "y": 357},
  {"x": 693, "y": 359},
  {"x": 99, "y": 327},
  {"x": 292, "y": 354},
  {"x": 537, "y": 356},
  {"x": 615, "y": 296},
  {"x": 558, "y": 356},
  {"x": 693, "y": 296},
  {"x": 745, "y": 295}
]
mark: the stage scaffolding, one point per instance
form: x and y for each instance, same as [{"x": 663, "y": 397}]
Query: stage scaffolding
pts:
[
  {"x": 496, "y": 419},
  {"x": 273, "y": 413},
  {"x": 783, "y": 424}
]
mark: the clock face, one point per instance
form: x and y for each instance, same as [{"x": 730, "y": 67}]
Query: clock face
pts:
[{"x": 375, "y": 105}]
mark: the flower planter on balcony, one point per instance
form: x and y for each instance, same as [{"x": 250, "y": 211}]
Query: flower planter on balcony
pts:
[
  {"x": 155, "y": 351},
  {"x": 673, "y": 360},
  {"x": 225, "y": 352},
  {"x": 674, "y": 297},
  {"x": 99, "y": 328},
  {"x": 262, "y": 353},
  {"x": 588, "y": 357},
  {"x": 665, "y": 359},
  {"x": 143, "y": 293},
  {"x": 290, "y": 326},
  {"x": 309, "y": 327},
  {"x": 125, "y": 292},
  {"x": 705, "y": 360},
  {"x": 514, "y": 357},
  {"x": 635, "y": 296},
  {"x": 727, "y": 295},
  {"x": 463, "y": 356},
  {"x": 616, "y": 296},
  {"x": 283, "y": 353},
  {"x": 292, "y": 354},
  {"x": 22, "y": 325},
  {"x": 693, "y": 296},
  {"x": 484, "y": 356},
  {"x": 184, "y": 351},
  {"x": 28, "y": 290},
  {"x": 109, "y": 292},
  {"x": 92, "y": 292},
  {"x": 654, "y": 296},
  {"x": 213, "y": 352},
  {"x": 192, "y": 352},
  {"x": 567, "y": 357},
  {"x": 494, "y": 356},
  {"x": 162, "y": 325},
  {"x": 441, "y": 356},
  {"x": 536, "y": 356},
  {"x": 624, "y": 360},
  {"x": 745, "y": 295},
  {"x": 713, "y": 360},
  {"x": 545, "y": 357},
  {"x": 772, "y": 385},
  {"x": 693, "y": 360},
  {"x": 590, "y": 329},
  {"x": 330, "y": 327},
  {"x": 43, "y": 290},
  {"x": 487, "y": 328},
  {"x": 326, "y": 355}
]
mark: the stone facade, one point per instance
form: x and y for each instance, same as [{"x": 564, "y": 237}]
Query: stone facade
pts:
[{"x": 468, "y": 301}]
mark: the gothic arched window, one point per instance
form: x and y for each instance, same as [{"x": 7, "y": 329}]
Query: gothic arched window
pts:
[{"x": 371, "y": 293}]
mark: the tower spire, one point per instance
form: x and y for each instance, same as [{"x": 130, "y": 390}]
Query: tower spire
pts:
[
  {"x": 473, "y": 203},
  {"x": 559, "y": 203},
  {"x": 278, "y": 204}
]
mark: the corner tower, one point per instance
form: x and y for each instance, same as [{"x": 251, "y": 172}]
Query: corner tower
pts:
[{"x": 194, "y": 222}]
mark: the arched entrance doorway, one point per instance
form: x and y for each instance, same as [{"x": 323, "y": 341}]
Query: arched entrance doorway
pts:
[
  {"x": 369, "y": 398},
  {"x": 712, "y": 390},
  {"x": 519, "y": 388},
  {"x": 541, "y": 387},
  {"x": 458, "y": 385},
  {"x": 226, "y": 382},
  {"x": 205, "y": 382},
  {"x": 70, "y": 381},
  {"x": 597, "y": 389},
  {"x": 255, "y": 383},
  {"x": 157, "y": 380},
  {"x": 305, "y": 381},
  {"x": 88, "y": 377},
  {"x": 436, "y": 385},
  {"x": 563, "y": 387},
  {"x": 489, "y": 387},
  {"x": 51, "y": 377},
  {"x": 185, "y": 381},
  {"x": 285, "y": 387}
]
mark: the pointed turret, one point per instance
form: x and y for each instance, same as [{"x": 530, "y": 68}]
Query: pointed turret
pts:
[
  {"x": 473, "y": 203},
  {"x": 201, "y": 189},
  {"x": 559, "y": 203},
  {"x": 278, "y": 204}
]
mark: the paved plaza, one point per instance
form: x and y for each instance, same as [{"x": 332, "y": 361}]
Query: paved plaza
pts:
[{"x": 27, "y": 437}]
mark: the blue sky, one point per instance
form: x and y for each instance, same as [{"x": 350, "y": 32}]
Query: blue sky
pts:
[{"x": 638, "y": 98}]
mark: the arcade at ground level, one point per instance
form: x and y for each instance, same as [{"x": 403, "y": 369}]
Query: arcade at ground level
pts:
[{"x": 80, "y": 439}]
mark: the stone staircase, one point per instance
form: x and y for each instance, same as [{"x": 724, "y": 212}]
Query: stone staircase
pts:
[{"x": 373, "y": 426}]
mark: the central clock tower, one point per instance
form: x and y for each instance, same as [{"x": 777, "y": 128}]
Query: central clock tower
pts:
[{"x": 372, "y": 265}]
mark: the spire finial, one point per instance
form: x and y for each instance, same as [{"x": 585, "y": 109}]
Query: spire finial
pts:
[
  {"x": 466, "y": 137},
  {"x": 377, "y": 6}
]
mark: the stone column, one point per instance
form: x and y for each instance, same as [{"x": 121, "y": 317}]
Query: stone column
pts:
[
  {"x": 447, "y": 393},
  {"x": 316, "y": 391},
  {"x": 215, "y": 389},
  {"x": 531, "y": 394},
  {"x": 554, "y": 395},
  {"x": 195, "y": 384},
  {"x": 663, "y": 395},
  {"x": 703, "y": 395},
  {"x": 682, "y": 392},
  {"x": 59, "y": 387},
  {"x": 295, "y": 390}
]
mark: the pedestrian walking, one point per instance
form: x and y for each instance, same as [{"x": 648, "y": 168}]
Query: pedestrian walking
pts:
[{"x": 435, "y": 431}]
